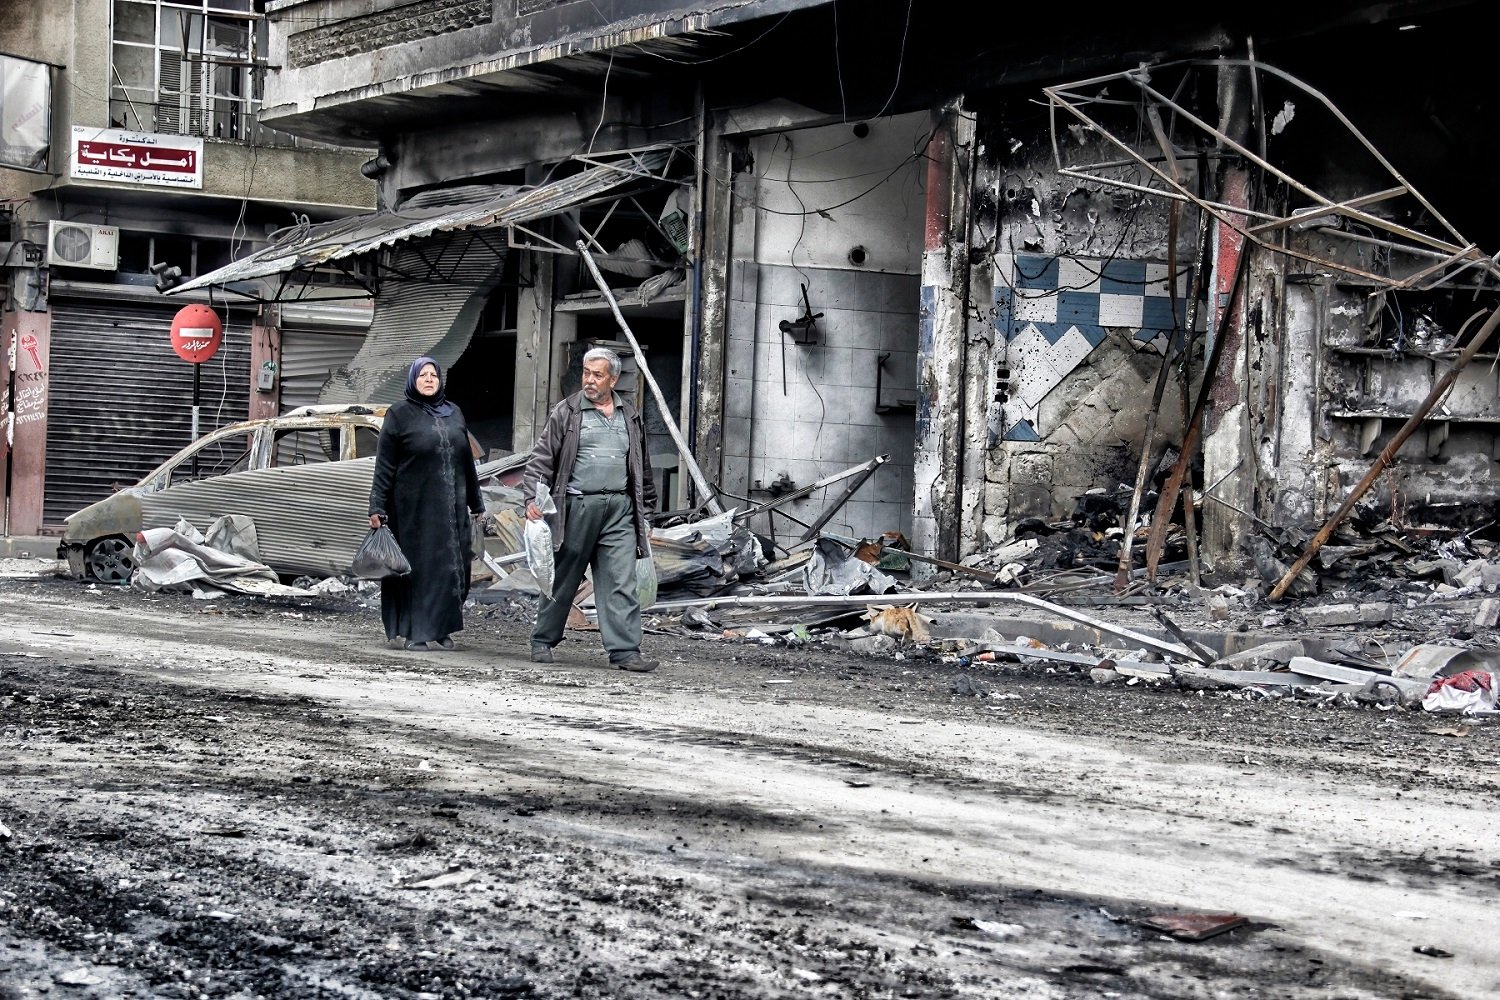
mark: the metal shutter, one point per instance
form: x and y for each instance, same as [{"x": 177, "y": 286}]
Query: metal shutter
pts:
[
  {"x": 308, "y": 358},
  {"x": 120, "y": 401}
]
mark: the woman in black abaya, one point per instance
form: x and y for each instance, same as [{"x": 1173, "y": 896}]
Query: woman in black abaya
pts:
[{"x": 425, "y": 488}]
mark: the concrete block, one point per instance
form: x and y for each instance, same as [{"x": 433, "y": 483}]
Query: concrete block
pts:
[
  {"x": 1266, "y": 656},
  {"x": 1488, "y": 614},
  {"x": 1030, "y": 501},
  {"x": 1034, "y": 469},
  {"x": 1348, "y": 614}
]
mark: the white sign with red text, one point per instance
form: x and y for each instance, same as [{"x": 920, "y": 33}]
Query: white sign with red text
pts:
[{"x": 104, "y": 154}]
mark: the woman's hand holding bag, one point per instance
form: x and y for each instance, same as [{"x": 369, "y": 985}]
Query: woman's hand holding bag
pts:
[{"x": 379, "y": 556}]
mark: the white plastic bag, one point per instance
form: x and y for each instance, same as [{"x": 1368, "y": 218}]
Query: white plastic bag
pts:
[
  {"x": 539, "y": 558},
  {"x": 645, "y": 578}
]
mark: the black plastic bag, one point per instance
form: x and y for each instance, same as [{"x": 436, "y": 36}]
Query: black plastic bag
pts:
[{"x": 379, "y": 556}]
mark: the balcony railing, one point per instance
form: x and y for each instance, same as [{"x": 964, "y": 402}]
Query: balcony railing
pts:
[{"x": 206, "y": 117}]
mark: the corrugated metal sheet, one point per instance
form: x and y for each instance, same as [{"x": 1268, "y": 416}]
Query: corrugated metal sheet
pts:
[
  {"x": 308, "y": 359},
  {"x": 120, "y": 400},
  {"x": 352, "y": 316},
  {"x": 312, "y": 246},
  {"x": 414, "y": 318},
  {"x": 309, "y": 518}
]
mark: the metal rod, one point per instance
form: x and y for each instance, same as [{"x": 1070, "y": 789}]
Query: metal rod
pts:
[
  {"x": 837, "y": 505},
  {"x": 969, "y": 596},
  {"x": 1193, "y": 430},
  {"x": 711, "y": 498}
]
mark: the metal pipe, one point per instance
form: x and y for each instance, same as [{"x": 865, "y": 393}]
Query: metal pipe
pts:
[
  {"x": 711, "y": 498},
  {"x": 970, "y": 596}
]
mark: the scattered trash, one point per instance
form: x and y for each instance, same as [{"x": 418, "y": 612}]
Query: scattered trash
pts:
[
  {"x": 1185, "y": 926},
  {"x": 446, "y": 879},
  {"x": 1470, "y": 691},
  {"x": 1001, "y": 931},
  {"x": 1448, "y": 731},
  {"x": 80, "y": 977},
  {"x": 180, "y": 558},
  {"x": 1432, "y": 951}
]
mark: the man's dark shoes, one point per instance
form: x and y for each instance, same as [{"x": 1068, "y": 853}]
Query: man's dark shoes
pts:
[
  {"x": 445, "y": 642},
  {"x": 417, "y": 647},
  {"x": 638, "y": 664},
  {"x": 541, "y": 654}
]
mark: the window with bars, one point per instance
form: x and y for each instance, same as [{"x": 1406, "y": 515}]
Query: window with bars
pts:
[{"x": 189, "y": 67}]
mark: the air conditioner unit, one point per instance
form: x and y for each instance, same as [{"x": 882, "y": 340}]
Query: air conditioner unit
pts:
[{"x": 76, "y": 244}]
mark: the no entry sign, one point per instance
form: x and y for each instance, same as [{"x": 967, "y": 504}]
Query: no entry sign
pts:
[{"x": 197, "y": 333}]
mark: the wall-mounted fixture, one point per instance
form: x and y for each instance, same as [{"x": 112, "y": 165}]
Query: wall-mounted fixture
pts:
[
  {"x": 858, "y": 256},
  {"x": 377, "y": 165},
  {"x": 804, "y": 328}
]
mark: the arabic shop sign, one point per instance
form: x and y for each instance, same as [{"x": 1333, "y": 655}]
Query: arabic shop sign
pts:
[{"x": 103, "y": 154}]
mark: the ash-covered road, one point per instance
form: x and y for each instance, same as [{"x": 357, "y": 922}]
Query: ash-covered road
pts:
[{"x": 259, "y": 799}]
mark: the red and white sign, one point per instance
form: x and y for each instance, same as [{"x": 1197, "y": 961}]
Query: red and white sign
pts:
[
  {"x": 104, "y": 154},
  {"x": 197, "y": 333}
]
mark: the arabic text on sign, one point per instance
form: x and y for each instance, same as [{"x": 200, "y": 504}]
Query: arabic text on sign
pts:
[{"x": 171, "y": 160}]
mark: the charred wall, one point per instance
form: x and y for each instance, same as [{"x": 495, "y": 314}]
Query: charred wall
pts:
[{"x": 1081, "y": 310}]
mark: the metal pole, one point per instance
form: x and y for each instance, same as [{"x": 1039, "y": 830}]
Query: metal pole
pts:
[
  {"x": 710, "y": 496},
  {"x": 196, "y": 369}
]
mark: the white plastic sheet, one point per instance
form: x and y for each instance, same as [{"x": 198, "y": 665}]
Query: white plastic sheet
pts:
[{"x": 179, "y": 558}]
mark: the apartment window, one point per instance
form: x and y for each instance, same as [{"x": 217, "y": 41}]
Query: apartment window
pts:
[{"x": 189, "y": 67}]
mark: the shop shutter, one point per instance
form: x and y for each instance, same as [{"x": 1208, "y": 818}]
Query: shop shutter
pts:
[
  {"x": 308, "y": 357},
  {"x": 120, "y": 400}
]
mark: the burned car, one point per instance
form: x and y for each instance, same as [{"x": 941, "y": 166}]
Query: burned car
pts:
[{"x": 303, "y": 478}]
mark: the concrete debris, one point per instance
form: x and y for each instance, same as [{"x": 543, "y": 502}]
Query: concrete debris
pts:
[{"x": 1348, "y": 614}]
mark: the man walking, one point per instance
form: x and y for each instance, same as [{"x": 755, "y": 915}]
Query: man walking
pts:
[{"x": 590, "y": 455}]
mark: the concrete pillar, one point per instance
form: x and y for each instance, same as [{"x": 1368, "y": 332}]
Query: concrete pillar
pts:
[
  {"x": 265, "y": 346},
  {"x": 1228, "y": 448},
  {"x": 938, "y": 470},
  {"x": 30, "y": 333},
  {"x": 716, "y": 196},
  {"x": 534, "y": 354},
  {"x": 7, "y": 362}
]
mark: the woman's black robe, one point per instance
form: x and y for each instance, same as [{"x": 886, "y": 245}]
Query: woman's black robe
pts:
[{"x": 425, "y": 484}]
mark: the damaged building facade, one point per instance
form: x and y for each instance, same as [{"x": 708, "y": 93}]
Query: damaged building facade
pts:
[
  {"x": 1016, "y": 260},
  {"x": 133, "y": 155}
]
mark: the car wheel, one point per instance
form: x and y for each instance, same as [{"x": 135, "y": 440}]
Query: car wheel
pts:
[{"x": 112, "y": 559}]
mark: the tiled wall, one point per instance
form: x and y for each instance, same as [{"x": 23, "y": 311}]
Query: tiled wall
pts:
[
  {"x": 839, "y": 209},
  {"x": 809, "y": 410}
]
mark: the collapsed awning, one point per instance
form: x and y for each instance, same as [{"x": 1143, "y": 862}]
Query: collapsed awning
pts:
[{"x": 310, "y": 248}]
